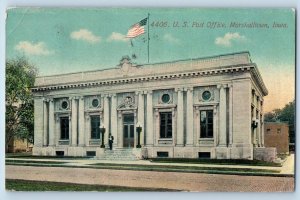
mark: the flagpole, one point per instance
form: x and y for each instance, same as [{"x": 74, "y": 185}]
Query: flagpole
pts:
[{"x": 148, "y": 35}]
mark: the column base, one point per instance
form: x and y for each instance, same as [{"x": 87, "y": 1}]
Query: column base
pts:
[
  {"x": 222, "y": 152},
  {"x": 189, "y": 145}
]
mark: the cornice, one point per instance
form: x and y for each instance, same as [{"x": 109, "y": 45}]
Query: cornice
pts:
[
  {"x": 257, "y": 78},
  {"x": 140, "y": 79}
]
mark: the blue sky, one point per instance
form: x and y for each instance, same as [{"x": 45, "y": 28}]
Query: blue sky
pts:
[{"x": 71, "y": 40}]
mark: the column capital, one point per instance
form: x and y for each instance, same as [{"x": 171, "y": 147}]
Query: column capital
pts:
[
  {"x": 45, "y": 99},
  {"x": 81, "y": 97},
  {"x": 138, "y": 92},
  {"x": 113, "y": 95},
  {"x": 179, "y": 89},
  {"x": 190, "y": 89},
  {"x": 106, "y": 95},
  {"x": 74, "y": 97},
  {"x": 148, "y": 92},
  {"x": 222, "y": 86}
]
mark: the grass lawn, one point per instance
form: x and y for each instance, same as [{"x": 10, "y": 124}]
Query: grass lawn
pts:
[
  {"x": 216, "y": 161},
  {"x": 30, "y": 156},
  {"x": 158, "y": 168},
  {"x": 33, "y": 161},
  {"x": 26, "y": 185},
  {"x": 193, "y": 169}
]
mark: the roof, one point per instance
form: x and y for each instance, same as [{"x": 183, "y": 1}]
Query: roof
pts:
[{"x": 128, "y": 71}]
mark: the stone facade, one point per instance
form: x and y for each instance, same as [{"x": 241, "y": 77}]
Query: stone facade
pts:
[
  {"x": 277, "y": 135},
  {"x": 207, "y": 107}
]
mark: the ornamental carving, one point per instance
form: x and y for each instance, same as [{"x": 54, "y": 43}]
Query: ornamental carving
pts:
[
  {"x": 206, "y": 94},
  {"x": 165, "y": 97},
  {"x": 94, "y": 102},
  {"x": 128, "y": 101},
  {"x": 63, "y": 104}
]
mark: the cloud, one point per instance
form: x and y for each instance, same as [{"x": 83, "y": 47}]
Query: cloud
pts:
[
  {"x": 85, "y": 35},
  {"x": 33, "y": 49},
  {"x": 117, "y": 37},
  {"x": 170, "y": 38},
  {"x": 227, "y": 39}
]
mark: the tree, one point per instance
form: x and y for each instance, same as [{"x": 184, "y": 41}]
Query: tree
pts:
[
  {"x": 20, "y": 77},
  {"x": 286, "y": 114}
]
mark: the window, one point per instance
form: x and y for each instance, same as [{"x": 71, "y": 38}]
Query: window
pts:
[
  {"x": 162, "y": 154},
  {"x": 64, "y": 128},
  {"x": 268, "y": 130},
  {"x": 95, "y": 103},
  {"x": 60, "y": 153},
  {"x": 206, "y": 95},
  {"x": 206, "y": 124},
  {"x": 64, "y": 105},
  {"x": 95, "y": 124},
  {"x": 204, "y": 154},
  {"x": 166, "y": 125},
  {"x": 165, "y": 98},
  {"x": 91, "y": 153},
  {"x": 279, "y": 130}
]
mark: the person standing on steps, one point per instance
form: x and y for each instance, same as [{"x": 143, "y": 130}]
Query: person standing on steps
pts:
[{"x": 110, "y": 141}]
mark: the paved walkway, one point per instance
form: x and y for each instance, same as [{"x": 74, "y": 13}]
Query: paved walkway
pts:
[
  {"x": 149, "y": 179},
  {"x": 289, "y": 165},
  {"x": 287, "y": 168}
]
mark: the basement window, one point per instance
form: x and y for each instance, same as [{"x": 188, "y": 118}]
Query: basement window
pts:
[
  {"x": 91, "y": 153},
  {"x": 162, "y": 154},
  {"x": 60, "y": 153},
  {"x": 204, "y": 155}
]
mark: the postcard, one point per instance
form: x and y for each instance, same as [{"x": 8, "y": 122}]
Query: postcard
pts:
[{"x": 160, "y": 99}]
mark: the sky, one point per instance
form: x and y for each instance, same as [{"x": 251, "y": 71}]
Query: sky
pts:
[{"x": 70, "y": 40}]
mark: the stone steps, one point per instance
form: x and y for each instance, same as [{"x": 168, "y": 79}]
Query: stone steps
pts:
[{"x": 118, "y": 154}]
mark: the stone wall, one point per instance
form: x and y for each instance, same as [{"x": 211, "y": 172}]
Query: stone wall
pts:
[{"x": 265, "y": 154}]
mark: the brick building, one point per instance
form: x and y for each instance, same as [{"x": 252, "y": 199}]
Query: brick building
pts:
[{"x": 277, "y": 135}]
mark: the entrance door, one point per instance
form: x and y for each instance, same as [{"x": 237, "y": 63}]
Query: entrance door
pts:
[{"x": 128, "y": 130}]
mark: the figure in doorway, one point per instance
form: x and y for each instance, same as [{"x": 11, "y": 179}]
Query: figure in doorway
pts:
[{"x": 110, "y": 141}]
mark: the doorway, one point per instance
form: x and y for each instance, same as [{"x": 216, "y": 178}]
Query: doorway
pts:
[{"x": 128, "y": 130}]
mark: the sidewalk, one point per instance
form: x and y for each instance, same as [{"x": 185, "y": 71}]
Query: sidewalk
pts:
[{"x": 286, "y": 169}]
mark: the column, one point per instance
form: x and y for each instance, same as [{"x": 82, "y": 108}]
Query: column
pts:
[
  {"x": 74, "y": 122},
  {"x": 258, "y": 131},
  {"x": 222, "y": 118},
  {"x": 57, "y": 129},
  {"x": 149, "y": 133},
  {"x": 81, "y": 141},
  {"x": 262, "y": 130},
  {"x": 106, "y": 119},
  {"x": 51, "y": 123},
  {"x": 114, "y": 119},
  {"x": 120, "y": 130},
  {"x": 38, "y": 123},
  {"x": 179, "y": 117},
  {"x": 230, "y": 114},
  {"x": 189, "y": 118},
  {"x": 45, "y": 136},
  {"x": 87, "y": 129},
  {"x": 261, "y": 118},
  {"x": 141, "y": 115}
]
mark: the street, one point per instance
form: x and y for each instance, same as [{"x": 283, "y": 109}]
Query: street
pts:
[{"x": 151, "y": 179}]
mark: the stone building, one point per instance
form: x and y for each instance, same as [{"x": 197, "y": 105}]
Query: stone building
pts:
[
  {"x": 277, "y": 135},
  {"x": 206, "y": 107}
]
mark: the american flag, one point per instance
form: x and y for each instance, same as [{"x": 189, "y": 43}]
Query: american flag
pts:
[{"x": 137, "y": 29}]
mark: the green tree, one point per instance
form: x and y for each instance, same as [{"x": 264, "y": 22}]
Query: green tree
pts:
[
  {"x": 20, "y": 77},
  {"x": 286, "y": 114}
]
